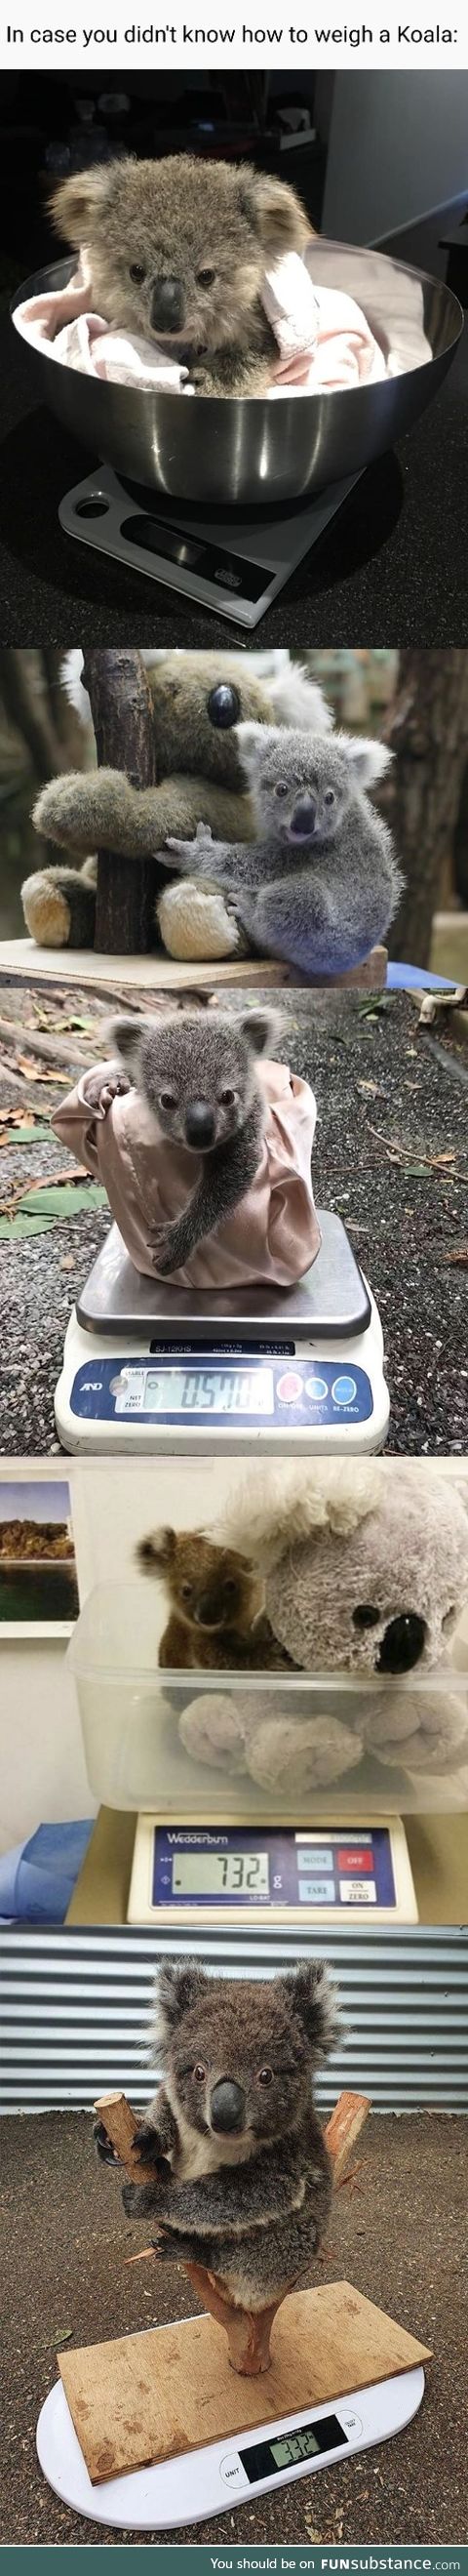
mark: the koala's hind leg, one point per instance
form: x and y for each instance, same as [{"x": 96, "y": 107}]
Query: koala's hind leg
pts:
[
  {"x": 293, "y": 918},
  {"x": 59, "y": 906}
]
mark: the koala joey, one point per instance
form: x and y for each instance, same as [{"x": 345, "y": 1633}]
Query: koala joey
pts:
[
  {"x": 197, "y": 1075},
  {"x": 242, "y": 2176},
  {"x": 215, "y": 1604},
  {"x": 320, "y": 883},
  {"x": 176, "y": 251}
]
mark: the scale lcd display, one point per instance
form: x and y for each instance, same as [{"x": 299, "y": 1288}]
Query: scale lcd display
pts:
[
  {"x": 196, "y": 1390},
  {"x": 288, "y": 2450},
  {"x": 234, "y": 1873}
]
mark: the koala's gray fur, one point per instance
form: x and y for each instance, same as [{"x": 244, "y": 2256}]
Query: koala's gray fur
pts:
[
  {"x": 249, "y": 2199},
  {"x": 176, "y": 251},
  {"x": 197, "y": 1074},
  {"x": 320, "y": 883}
]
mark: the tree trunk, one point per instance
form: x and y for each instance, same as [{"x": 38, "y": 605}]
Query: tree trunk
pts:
[
  {"x": 123, "y": 724},
  {"x": 428, "y": 732}
]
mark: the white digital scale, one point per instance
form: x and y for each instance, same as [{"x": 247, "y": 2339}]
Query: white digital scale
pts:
[
  {"x": 235, "y": 565},
  {"x": 198, "y": 1877},
  {"x": 225, "y": 2473},
  {"x": 148, "y": 1366}
]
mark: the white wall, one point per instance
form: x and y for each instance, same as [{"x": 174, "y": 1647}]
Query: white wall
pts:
[
  {"x": 42, "y": 1769},
  {"x": 397, "y": 147}
]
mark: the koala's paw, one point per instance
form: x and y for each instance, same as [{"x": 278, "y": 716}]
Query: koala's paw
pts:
[
  {"x": 198, "y": 923},
  {"x": 46, "y": 910},
  {"x": 101, "y": 1092},
  {"x": 105, "y": 2152},
  {"x": 147, "y": 2144},
  {"x": 168, "y": 1250}
]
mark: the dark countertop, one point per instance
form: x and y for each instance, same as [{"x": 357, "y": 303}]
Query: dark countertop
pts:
[{"x": 392, "y": 569}]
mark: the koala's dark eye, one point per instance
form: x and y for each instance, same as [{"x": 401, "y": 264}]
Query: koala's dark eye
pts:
[
  {"x": 266, "y": 2075},
  {"x": 224, "y": 705},
  {"x": 168, "y": 1100},
  {"x": 365, "y": 1616},
  {"x": 329, "y": 797},
  {"x": 230, "y": 1588},
  {"x": 186, "y": 1591},
  {"x": 206, "y": 276},
  {"x": 199, "y": 2074},
  {"x": 226, "y": 1098},
  {"x": 281, "y": 789},
  {"x": 137, "y": 274}
]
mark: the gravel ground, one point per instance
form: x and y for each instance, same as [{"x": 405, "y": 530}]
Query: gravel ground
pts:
[
  {"x": 398, "y": 2230},
  {"x": 391, "y": 1155}
]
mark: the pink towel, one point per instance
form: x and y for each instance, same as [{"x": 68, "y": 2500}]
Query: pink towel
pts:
[
  {"x": 324, "y": 341},
  {"x": 270, "y": 1239}
]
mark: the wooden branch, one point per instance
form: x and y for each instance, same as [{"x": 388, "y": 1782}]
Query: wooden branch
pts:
[
  {"x": 248, "y": 2331},
  {"x": 122, "y": 715}
]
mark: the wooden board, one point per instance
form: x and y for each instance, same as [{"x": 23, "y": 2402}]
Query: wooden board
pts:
[
  {"x": 152, "y": 2396},
  {"x": 166, "y": 974}
]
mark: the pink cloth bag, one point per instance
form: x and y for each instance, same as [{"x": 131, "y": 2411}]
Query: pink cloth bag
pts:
[{"x": 269, "y": 1240}]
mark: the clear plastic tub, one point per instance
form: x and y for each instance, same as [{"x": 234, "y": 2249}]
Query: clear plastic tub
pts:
[{"x": 131, "y": 1716}]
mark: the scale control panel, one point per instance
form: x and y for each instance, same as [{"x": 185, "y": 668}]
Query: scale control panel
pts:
[
  {"x": 257, "y": 1391},
  {"x": 197, "y": 1874},
  {"x": 305, "y": 2445}
]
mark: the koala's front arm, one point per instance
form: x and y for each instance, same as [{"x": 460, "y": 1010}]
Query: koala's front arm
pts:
[
  {"x": 227, "y": 1174},
  {"x": 240, "y": 2198},
  {"x": 102, "y": 811}
]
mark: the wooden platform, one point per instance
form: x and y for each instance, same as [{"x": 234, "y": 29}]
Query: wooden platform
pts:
[
  {"x": 149, "y": 2397},
  {"x": 165, "y": 974}
]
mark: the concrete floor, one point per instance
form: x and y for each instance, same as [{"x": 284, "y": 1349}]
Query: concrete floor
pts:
[
  {"x": 398, "y": 2230},
  {"x": 391, "y": 1155}
]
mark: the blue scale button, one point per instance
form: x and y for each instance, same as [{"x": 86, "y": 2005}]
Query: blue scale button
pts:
[
  {"x": 317, "y": 1388},
  {"x": 320, "y": 1859},
  {"x": 344, "y": 1390},
  {"x": 317, "y": 1891}
]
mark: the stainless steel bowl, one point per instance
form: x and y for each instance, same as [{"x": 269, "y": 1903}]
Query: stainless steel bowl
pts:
[{"x": 259, "y": 452}]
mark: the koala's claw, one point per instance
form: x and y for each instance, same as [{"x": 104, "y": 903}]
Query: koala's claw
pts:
[
  {"x": 100, "y": 1094},
  {"x": 107, "y": 2153},
  {"x": 147, "y": 2144},
  {"x": 164, "y": 1250}
]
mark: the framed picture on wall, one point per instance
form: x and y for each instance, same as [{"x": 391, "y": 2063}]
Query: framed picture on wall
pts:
[{"x": 38, "y": 1578}]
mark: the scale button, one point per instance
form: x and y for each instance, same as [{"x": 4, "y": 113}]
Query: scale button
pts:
[
  {"x": 351, "y": 2423},
  {"x": 317, "y": 1388},
  {"x": 289, "y": 1387},
  {"x": 344, "y": 1390},
  {"x": 231, "y": 2470},
  {"x": 354, "y": 1858}
]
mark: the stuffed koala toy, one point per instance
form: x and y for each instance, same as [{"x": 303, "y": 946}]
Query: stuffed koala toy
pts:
[
  {"x": 365, "y": 1569},
  {"x": 198, "y": 699},
  {"x": 242, "y": 2176}
]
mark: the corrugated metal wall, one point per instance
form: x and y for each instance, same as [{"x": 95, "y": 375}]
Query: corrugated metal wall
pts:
[{"x": 74, "y": 2008}]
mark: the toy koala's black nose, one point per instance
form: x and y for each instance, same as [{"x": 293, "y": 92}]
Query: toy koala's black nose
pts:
[
  {"x": 167, "y": 304},
  {"x": 402, "y": 1644},
  {"x": 227, "y": 2106},
  {"x": 303, "y": 818},
  {"x": 200, "y": 1124}
]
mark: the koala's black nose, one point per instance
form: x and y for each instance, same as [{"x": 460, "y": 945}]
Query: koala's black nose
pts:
[
  {"x": 200, "y": 1124},
  {"x": 303, "y": 818},
  {"x": 402, "y": 1644},
  {"x": 167, "y": 304},
  {"x": 227, "y": 2106}
]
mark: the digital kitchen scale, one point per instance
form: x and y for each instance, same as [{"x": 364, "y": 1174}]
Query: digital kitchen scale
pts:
[
  {"x": 148, "y": 1366},
  {"x": 235, "y": 564},
  {"x": 228, "y": 2472},
  {"x": 194, "y": 1877}
]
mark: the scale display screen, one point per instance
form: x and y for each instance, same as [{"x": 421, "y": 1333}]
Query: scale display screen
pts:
[
  {"x": 211, "y": 1390},
  {"x": 234, "y": 1866},
  {"x": 286, "y": 2450},
  {"x": 235, "y": 1873}
]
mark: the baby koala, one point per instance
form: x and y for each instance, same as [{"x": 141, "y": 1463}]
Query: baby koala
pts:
[
  {"x": 175, "y": 252},
  {"x": 197, "y": 1076},
  {"x": 215, "y": 1604},
  {"x": 242, "y": 2176},
  {"x": 320, "y": 883}
]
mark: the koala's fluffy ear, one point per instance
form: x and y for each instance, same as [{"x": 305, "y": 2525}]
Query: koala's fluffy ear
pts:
[
  {"x": 311, "y": 1994},
  {"x": 177, "y": 1988},
  {"x": 126, "y": 1037},
  {"x": 368, "y": 760},
  {"x": 253, "y": 740},
  {"x": 158, "y": 1549},
  {"x": 260, "y": 1030},
  {"x": 277, "y": 213},
  {"x": 76, "y": 206}
]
